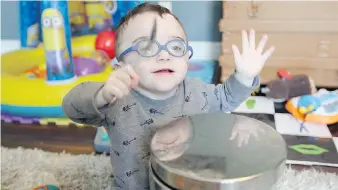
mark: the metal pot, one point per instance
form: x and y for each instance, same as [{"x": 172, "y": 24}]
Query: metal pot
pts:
[{"x": 216, "y": 152}]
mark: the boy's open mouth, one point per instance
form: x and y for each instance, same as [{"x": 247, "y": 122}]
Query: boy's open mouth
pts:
[{"x": 163, "y": 71}]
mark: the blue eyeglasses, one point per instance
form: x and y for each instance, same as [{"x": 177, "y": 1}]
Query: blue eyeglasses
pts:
[{"x": 176, "y": 48}]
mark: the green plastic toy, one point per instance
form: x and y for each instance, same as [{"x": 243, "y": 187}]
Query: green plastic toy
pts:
[{"x": 250, "y": 104}]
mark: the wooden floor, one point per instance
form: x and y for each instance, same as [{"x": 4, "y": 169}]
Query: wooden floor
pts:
[
  {"x": 69, "y": 139},
  {"x": 50, "y": 138}
]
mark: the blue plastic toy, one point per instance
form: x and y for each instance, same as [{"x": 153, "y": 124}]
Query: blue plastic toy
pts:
[
  {"x": 29, "y": 23},
  {"x": 101, "y": 141},
  {"x": 123, "y": 7},
  {"x": 84, "y": 17},
  {"x": 47, "y": 187},
  {"x": 308, "y": 104}
]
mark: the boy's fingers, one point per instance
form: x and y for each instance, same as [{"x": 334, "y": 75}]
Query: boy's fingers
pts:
[
  {"x": 115, "y": 91},
  {"x": 122, "y": 87},
  {"x": 262, "y": 43},
  {"x": 252, "y": 39},
  {"x": 233, "y": 135},
  {"x": 134, "y": 82},
  {"x": 124, "y": 77},
  {"x": 240, "y": 141},
  {"x": 268, "y": 53},
  {"x": 245, "y": 41},
  {"x": 131, "y": 72},
  {"x": 246, "y": 140},
  {"x": 236, "y": 53}
]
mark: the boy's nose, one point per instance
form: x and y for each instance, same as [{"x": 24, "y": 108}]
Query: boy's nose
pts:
[{"x": 163, "y": 56}]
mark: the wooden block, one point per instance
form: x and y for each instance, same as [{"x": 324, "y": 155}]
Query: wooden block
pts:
[
  {"x": 325, "y": 26},
  {"x": 276, "y": 16},
  {"x": 291, "y": 62},
  {"x": 295, "y": 45},
  {"x": 324, "y": 78},
  {"x": 280, "y": 10}
]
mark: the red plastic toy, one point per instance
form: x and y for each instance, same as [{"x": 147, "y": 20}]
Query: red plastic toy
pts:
[
  {"x": 284, "y": 74},
  {"x": 105, "y": 41}
]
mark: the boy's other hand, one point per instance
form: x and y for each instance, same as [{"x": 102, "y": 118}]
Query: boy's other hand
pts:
[
  {"x": 118, "y": 85},
  {"x": 251, "y": 61}
]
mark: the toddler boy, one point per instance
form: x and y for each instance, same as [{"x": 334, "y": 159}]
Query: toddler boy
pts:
[{"x": 149, "y": 89}]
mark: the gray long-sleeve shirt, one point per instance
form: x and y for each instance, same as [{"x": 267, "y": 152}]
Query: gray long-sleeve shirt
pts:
[{"x": 131, "y": 121}]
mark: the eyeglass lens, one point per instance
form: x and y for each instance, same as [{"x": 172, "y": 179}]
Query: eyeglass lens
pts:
[
  {"x": 175, "y": 48},
  {"x": 147, "y": 50}
]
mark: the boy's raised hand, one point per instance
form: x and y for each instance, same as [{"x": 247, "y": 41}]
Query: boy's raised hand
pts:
[
  {"x": 118, "y": 85},
  {"x": 251, "y": 61}
]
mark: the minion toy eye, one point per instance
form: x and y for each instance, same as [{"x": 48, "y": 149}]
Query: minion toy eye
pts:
[
  {"x": 57, "y": 22},
  {"x": 110, "y": 6},
  {"x": 46, "y": 22}
]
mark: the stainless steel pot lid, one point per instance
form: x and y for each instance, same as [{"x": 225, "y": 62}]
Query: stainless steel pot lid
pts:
[{"x": 217, "y": 150}]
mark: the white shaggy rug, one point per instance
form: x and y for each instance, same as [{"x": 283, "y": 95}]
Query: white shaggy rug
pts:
[{"x": 23, "y": 169}]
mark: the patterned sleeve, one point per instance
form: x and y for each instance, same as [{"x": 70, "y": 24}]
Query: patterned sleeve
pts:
[
  {"x": 79, "y": 104},
  {"x": 224, "y": 97}
]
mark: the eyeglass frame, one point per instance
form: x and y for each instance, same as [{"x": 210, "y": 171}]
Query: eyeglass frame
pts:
[{"x": 161, "y": 47}]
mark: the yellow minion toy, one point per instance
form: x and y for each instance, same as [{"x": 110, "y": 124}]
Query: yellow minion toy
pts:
[
  {"x": 95, "y": 14},
  {"x": 110, "y": 8},
  {"x": 57, "y": 57},
  {"x": 76, "y": 14},
  {"x": 33, "y": 35}
]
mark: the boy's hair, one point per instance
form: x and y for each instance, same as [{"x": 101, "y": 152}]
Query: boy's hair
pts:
[{"x": 142, "y": 8}]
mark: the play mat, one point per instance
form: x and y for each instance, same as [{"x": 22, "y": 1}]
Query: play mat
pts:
[{"x": 308, "y": 144}]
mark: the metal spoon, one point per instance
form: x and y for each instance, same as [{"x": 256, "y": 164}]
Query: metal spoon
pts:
[{"x": 153, "y": 34}]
